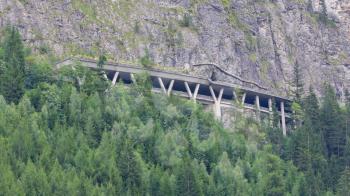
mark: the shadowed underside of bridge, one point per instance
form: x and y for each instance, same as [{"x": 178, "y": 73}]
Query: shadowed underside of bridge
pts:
[{"x": 216, "y": 94}]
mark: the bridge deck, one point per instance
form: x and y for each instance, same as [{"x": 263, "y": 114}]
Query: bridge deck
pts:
[{"x": 198, "y": 88}]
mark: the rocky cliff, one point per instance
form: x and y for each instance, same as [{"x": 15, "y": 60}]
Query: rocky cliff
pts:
[{"x": 258, "y": 40}]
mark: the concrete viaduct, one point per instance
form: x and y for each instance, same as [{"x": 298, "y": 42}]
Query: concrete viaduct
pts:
[{"x": 216, "y": 94}]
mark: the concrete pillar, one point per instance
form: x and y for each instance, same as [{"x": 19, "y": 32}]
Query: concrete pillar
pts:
[
  {"x": 188, "y": 89},
  {"x": 195, "y": 93},
  {"x": 283, "y": 120},
  {"x": 115, "y": 78},
  {"x": 243, "y": 98},
  {"x": 270, "y": 112},
  {"x": 162, "y": 85},
  {"x": 234, "y": 95},
  {"x": 132, "y": 76},
  {"x": 257, "y": 105},
  {"x": 191, "y": 95},
  {"x": 217, "y": 102},
  {"x": 170, "y": 88}
]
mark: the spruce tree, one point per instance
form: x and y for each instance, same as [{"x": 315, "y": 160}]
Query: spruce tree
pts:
[
  {"x": 186, "y": 181},
  {"x": 331, "y": 119},
  {"x": 2, "y": 63},
  {"x": 311, "y": 108},
  {"x": 347, "y": 129},
  {"x": 312, "y": 122},
  {"x": 332, "y": 122},
  {"x": 343, "y": 186},
  {"x": 298, "y": 82},
  {"x": 298, "y": 91},
  {"x": 13, "y": 74}
]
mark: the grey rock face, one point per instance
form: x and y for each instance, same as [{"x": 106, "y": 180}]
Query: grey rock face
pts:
[{"x": 258, "y": 40}]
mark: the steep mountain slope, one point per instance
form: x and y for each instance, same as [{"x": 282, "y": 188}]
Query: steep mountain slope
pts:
[{"x": 258, "y": 40}]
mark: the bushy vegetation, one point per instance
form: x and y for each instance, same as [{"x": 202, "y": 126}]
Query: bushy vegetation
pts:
[
  {"x": 69, "y": 133},
  {"x": 146, "y": 60},
  {"x": 320, "y": 144}
]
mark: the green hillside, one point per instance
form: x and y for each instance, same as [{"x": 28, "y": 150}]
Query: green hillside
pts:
[{"x": 61, "y": 138}]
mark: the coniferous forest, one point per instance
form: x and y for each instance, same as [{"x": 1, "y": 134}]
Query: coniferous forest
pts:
[{"x": 61, "y": 136}]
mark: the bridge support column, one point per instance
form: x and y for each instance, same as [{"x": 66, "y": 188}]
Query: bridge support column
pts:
[
  {"x": 115, "y": 78},
  {"x": 270, "y": 112},
  {"x": 283, "y": 120},
  {"x": 234, "y": 95},
  {"x": 191, "y": 95},
  {"x": 132, "y": 76},
  {"x": 168, "y": 90},
  {"x": 217, "y": 102},
  {"x": 257, "y": 105},
  {"x": 243, "y": 98}
]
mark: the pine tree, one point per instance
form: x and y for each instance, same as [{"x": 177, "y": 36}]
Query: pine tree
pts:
[
  {"x": 186, "y": 181},
  {"x": 298, "y": 82},
  {"x": 343, "y": 186},
  {"x": 129, "y": 167},
  {"x": 155, "y": 181},
  {"x": 2, "y": 63},
  {"x": 224, "y": 176},
  {"x": 331, "y": 119},
  {"x": 333, "y": 130},
  {"x": 347, "y": 129},
  {"x": 167, "y": 184},
  {"x": 311, "y": 109},
  {"x": 34, "y": 180},
  {"x": 13, "y": 76},
  {"x": 298, "y": 91}
]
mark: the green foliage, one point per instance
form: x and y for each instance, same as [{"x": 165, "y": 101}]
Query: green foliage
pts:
[
  {"x": 319, "y": 146},
  {"x": 298, "y": 83},
  {"x": 65, "y": 138},
  {"x": 39, "y": 70},
  {"x": 72, "y": 134},
  {"x": 13, "y": 67},
  {"x": 101, "y": 61},
  {"x": 146, "y": 60},
  {"x": 332, "y": 128},
  {"x": 226, "y": 3},
  {"x": 174, "y": 37},
  {"x": 44, "y": 49},
  {"x": 343, "y": 187},
  {"x": 85, "y": 8}
]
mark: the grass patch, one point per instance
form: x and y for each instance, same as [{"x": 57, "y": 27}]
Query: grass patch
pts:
[
  {"x": 226, "y": 3},
  {"x": 146, "y": 60},
  {"x": 253, "y": 57},
  {"x": 319, "y": 18},
  {"x": 250, "y": 40},
  {"x": 235, "y": 21},
  {"x": 87, "y": 9}
]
